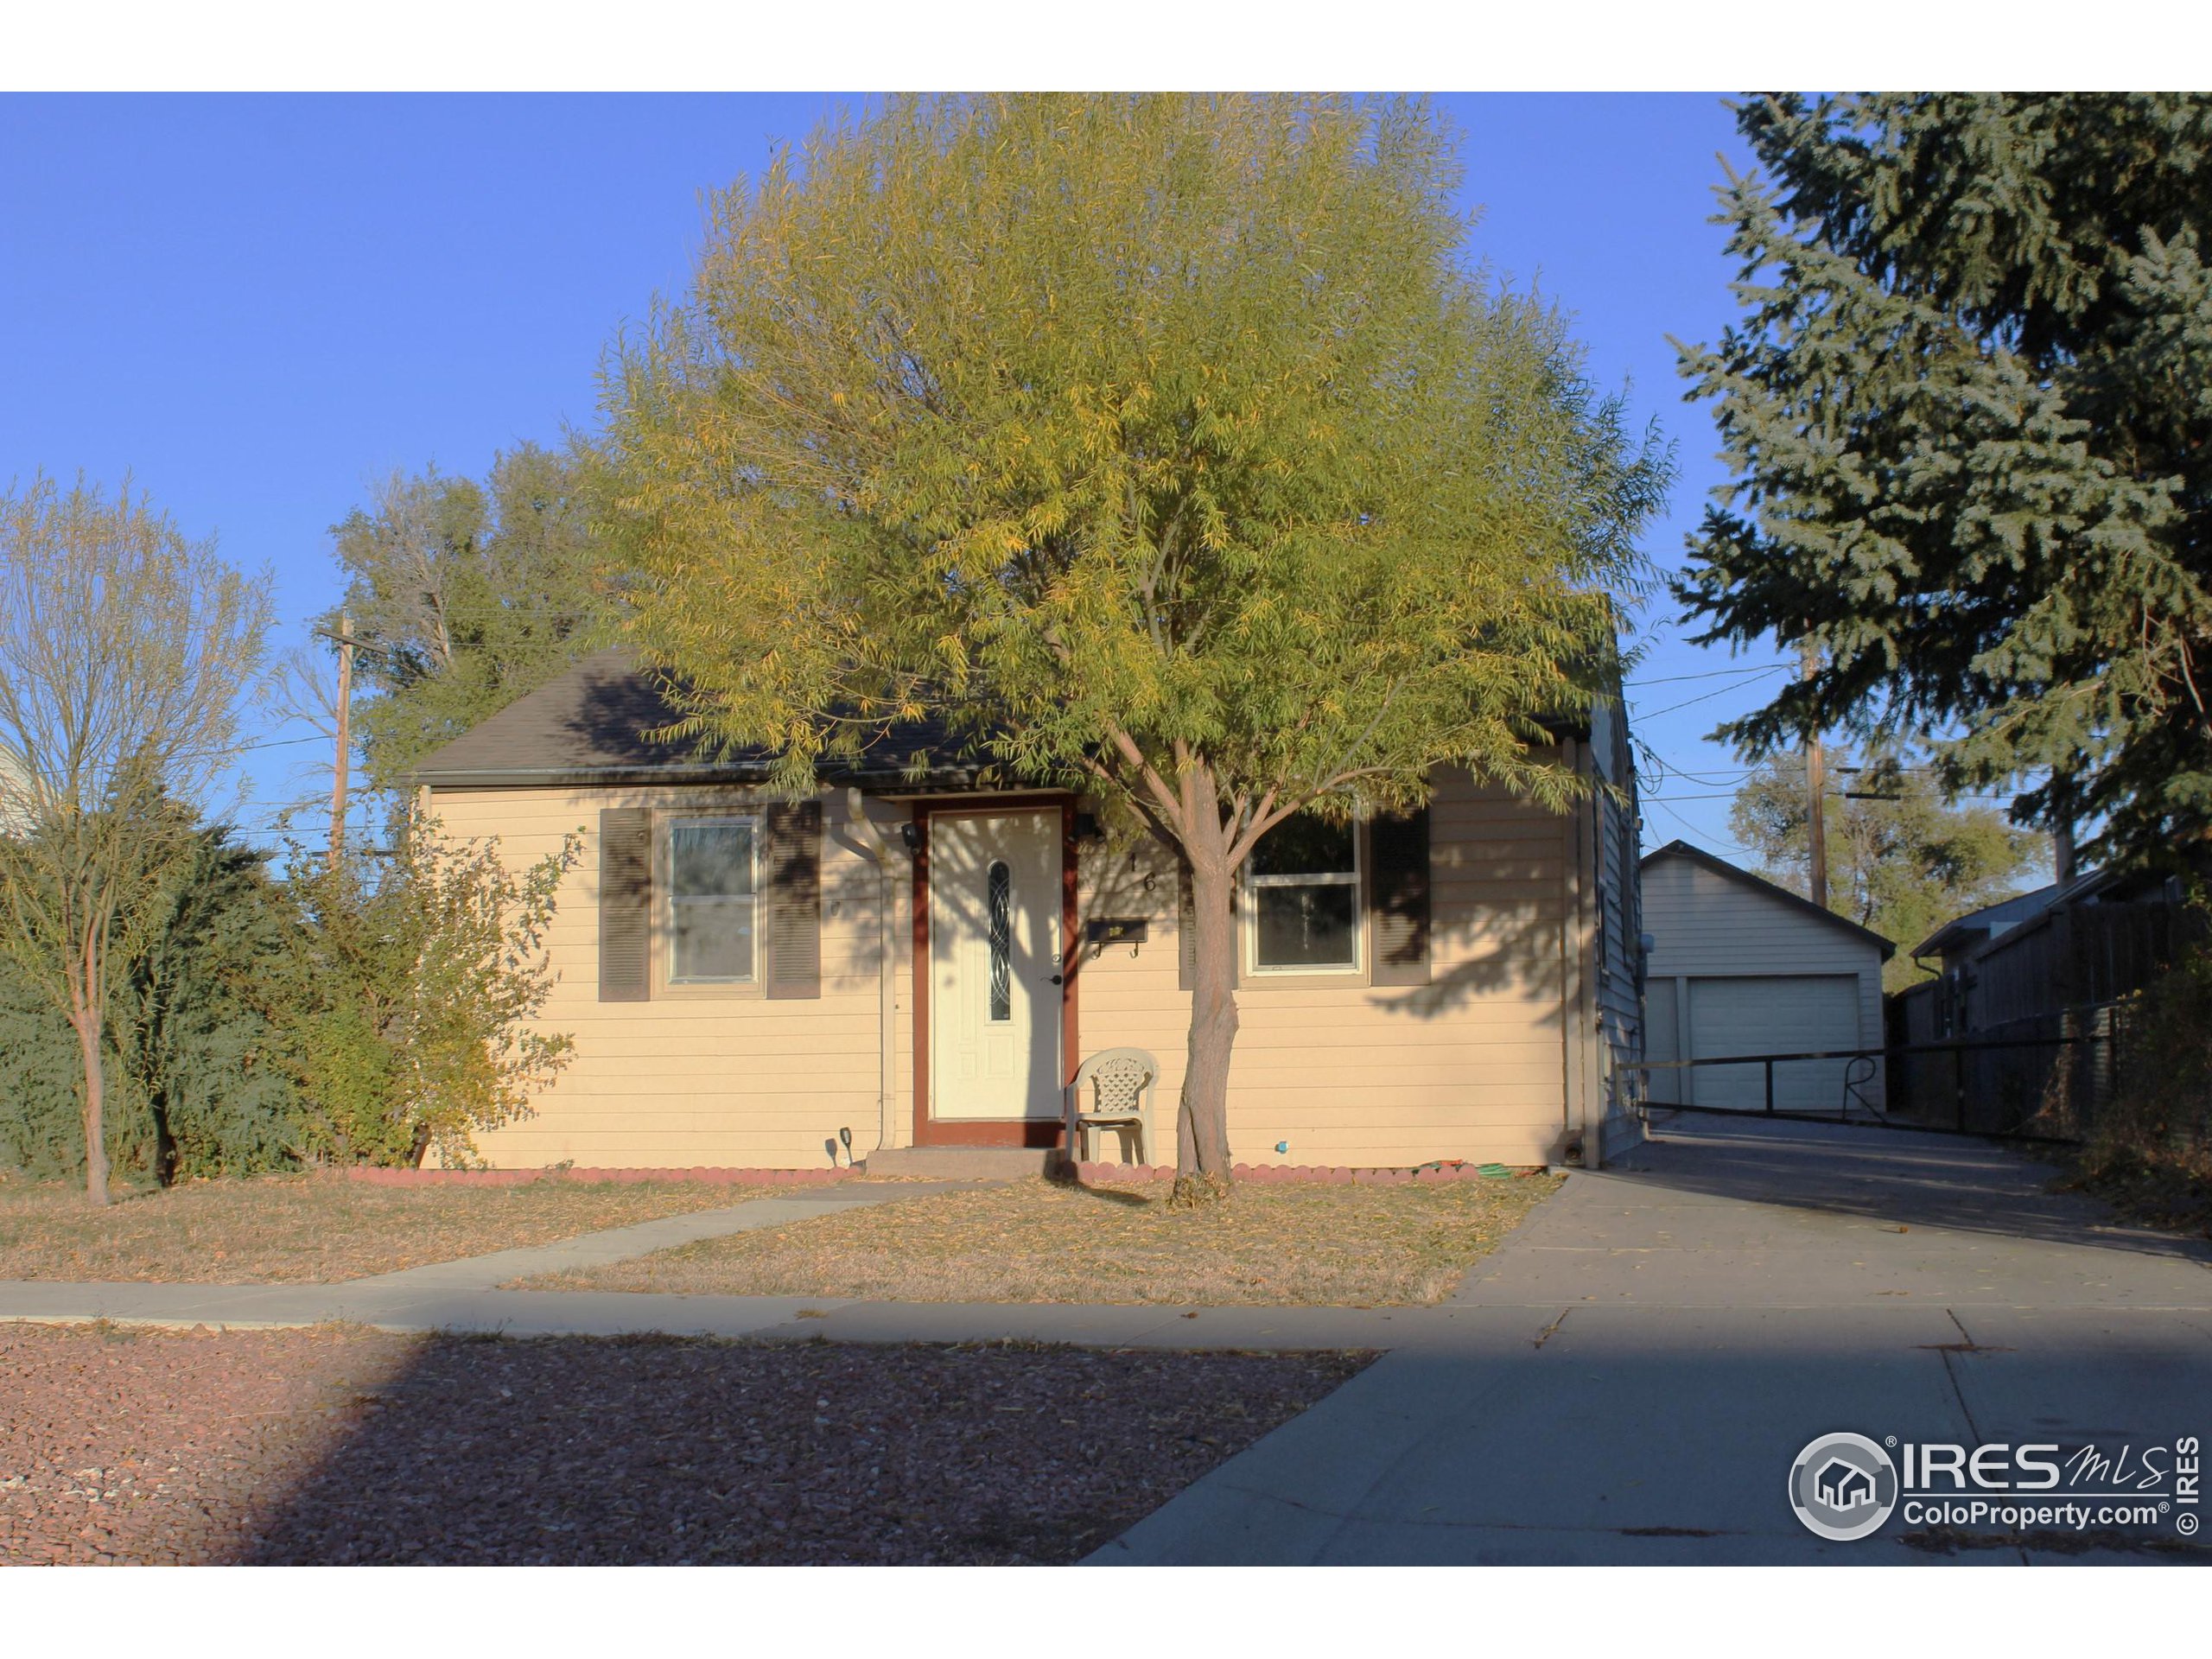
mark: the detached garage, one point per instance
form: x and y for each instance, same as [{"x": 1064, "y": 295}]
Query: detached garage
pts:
[{"x": 1737, "y": 965}]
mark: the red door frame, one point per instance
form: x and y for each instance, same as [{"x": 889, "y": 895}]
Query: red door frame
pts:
[{"x": 1004, "y": 1132}]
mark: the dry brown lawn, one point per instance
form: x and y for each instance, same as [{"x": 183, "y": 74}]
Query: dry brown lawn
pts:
[
  {"x": 310, "y": 1228},
  {"x": 1042, "y": 1242}
]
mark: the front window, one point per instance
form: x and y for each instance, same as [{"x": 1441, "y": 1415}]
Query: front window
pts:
[
  {"x": 1304, "y": 886},
  {"x": 711, "y": 900}
]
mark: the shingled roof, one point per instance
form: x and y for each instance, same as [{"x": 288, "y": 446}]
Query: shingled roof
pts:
[{"x": 589, "y": 726}]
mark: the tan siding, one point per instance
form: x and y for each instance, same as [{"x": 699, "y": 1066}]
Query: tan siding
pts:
[
  {"x": 1466, "y": 1066},
  {"x": 707, "y": 1080}
]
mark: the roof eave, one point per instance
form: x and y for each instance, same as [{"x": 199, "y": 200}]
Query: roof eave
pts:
[{"x": 705, "y": 773}]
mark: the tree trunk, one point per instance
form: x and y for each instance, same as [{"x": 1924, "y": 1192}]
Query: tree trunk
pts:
[
  {"x": 87, "y": 1023},
  {"x": 1202, "y": 1119}
]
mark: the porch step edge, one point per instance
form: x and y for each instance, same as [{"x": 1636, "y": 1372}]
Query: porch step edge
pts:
[{"x": 960, "y": 1163}]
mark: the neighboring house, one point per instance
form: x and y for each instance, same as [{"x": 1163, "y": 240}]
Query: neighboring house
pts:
[
  {"x": 1737, "y": 965},
  {"x": 16, "y": 794},
  {"x": 2079, "y": 945},
  {"x": 1456, "y": 985},
  {"x": 1957, "y": 940}
]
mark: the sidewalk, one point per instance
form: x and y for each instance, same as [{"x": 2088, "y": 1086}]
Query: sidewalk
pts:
[{"x": 606, "y": 1313}]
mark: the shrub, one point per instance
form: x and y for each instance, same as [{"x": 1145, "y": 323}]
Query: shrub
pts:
[
  {"x": 198, "y": 1085},
  {"x": 409, "y": 995},
  {"x": 2149, "y": 1147}
]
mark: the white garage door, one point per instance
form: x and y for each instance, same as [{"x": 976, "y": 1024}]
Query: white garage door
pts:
[{"x": 1777, "y": 1015}]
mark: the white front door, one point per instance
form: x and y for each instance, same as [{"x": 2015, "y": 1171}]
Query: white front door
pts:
[{"x": 995, "y": 964}]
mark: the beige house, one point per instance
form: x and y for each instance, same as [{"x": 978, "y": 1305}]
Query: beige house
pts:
[{"x": 739, "y": 971}]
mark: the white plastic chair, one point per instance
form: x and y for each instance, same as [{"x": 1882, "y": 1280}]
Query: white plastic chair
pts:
[{"x": 1121, "y": 1084}]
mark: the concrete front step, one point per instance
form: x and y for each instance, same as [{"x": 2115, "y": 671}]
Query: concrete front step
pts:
[{"x": 960, "y": 1163}]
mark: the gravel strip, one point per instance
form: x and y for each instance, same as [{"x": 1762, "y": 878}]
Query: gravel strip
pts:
[{"x": 338, "y": 1445}]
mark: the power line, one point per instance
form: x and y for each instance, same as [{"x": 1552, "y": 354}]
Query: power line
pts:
[
  {"x": 282, "y": 742},
  {"x": 1668, "y": 769},
  {"x": 1730, "y": 846},
  {"x": 1706, "y": 696},
  {"x": 1710, "y": 674}
]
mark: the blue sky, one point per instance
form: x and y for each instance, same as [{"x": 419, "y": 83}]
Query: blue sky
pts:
[{"x": 256, "y": 305}]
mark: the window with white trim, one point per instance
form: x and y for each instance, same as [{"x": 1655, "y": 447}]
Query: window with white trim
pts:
[
  {"x": 712, "y": 887},
  {"x": 1303, "y": 882}
]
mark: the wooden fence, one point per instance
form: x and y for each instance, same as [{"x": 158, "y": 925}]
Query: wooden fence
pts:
[{"x": 2056, "y": 991}]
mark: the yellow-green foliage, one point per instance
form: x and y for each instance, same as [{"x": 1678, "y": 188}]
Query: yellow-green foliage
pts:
[
  {"x": 1134, "y": 431},
  {"x": 409, "y": 993}
]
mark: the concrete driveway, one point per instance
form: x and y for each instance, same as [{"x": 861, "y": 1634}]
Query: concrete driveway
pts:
[{"x": 1631, "y": 1378}]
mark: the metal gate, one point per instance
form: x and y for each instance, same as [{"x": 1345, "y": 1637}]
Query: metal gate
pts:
[{"x": 2040, "y": 1089}]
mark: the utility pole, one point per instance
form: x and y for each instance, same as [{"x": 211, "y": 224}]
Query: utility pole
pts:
[
  {"x": 1816, "y": 832},
  {"x": 345, "y": 739}
]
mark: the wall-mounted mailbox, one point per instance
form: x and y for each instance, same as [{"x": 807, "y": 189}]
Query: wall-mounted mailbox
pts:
[{"x": 1118, "y": 930}]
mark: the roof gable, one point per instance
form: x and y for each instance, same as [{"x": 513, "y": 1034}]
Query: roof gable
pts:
[{"x": 1760, "y": 885}]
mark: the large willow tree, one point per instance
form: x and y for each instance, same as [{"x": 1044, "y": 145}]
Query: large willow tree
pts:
[{"x": 1170, "y": 445}]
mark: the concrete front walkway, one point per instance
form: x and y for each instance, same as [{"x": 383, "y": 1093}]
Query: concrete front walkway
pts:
[{"x": 1630, "y": 1377}]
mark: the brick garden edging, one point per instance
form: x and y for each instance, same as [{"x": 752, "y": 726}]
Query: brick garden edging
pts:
[
  {"x": 1289, "y": 1174},
  {"x": 1092, "y": 1174},
  {"x": 377, "y": 1177}
]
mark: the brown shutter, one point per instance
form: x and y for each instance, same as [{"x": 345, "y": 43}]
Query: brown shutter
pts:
[
  {"x": 625, "y": 904},
  {"x": 1186, "y": 933},
  {"x": 1398, "y": 882},
  {"x": 792, "y": 861}
]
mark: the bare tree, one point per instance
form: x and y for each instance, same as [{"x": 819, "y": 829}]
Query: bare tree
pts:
[{"x": 125, "y": 651}]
